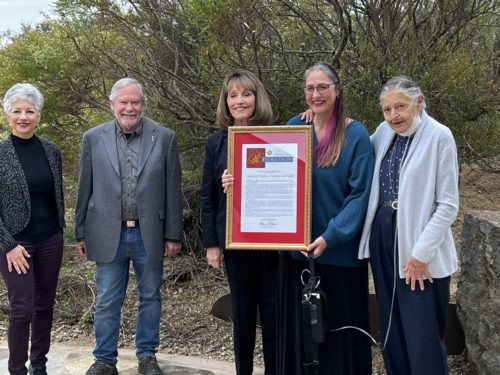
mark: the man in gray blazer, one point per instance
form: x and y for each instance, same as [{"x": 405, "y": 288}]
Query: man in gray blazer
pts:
[{"x": 129, "y": 209}]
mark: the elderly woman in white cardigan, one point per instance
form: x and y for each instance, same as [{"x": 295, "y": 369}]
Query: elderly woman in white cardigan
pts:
[{"x": 413, "y": 202}]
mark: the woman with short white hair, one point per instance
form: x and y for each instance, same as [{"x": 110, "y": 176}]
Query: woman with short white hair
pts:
[
  {"x": 413, "y": 202},
  {"x": 31, "y": 225}
]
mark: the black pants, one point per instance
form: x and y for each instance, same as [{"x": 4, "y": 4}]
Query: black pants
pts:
[
  {"x": 415, "y": 344},
  {"x": 253, "y": 282},
  {"x": 346, "y": 352},
  {"x": 31, "y": 298}
]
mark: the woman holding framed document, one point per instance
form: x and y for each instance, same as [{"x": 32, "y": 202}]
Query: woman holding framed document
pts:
[
  {"x": 341, "y": 177},
  {"x": 252, "y": 275}
]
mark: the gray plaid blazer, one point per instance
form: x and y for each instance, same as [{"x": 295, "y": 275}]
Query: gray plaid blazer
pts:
[
  {"x": 15, "y": 204},
  {"x": 98, "y": 207}
]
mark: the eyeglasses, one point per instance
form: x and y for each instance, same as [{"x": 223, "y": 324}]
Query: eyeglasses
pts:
[{"x": 320, "y": 88}]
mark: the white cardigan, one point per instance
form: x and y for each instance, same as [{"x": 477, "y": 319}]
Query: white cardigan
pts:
[{"x": 428, "y": 197}]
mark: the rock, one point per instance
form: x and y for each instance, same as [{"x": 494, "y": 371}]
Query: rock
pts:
[
  {"x": 478, "y": 293},
  {"x": 222, "y": 309}
]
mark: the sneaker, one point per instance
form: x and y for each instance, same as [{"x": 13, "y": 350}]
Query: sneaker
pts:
[
  {"x": 149, "y": 366},
  {"x": 102, "y": 368},
  {"x": 39, "y": 370}
]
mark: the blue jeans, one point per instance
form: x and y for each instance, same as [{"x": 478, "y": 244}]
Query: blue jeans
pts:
[{"x": 111, "y": 281}]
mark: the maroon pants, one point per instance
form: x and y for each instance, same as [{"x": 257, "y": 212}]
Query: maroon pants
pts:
[{"x": 31, "y": 298}]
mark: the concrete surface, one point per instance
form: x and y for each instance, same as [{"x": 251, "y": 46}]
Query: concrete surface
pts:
[{"x": 73, "y": 360}]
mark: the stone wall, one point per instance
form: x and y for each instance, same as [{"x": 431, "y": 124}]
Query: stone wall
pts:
[{"x": 478, "y": 293}]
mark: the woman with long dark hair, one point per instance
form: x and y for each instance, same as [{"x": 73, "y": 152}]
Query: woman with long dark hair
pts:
[{"x": 342, "y": 172}]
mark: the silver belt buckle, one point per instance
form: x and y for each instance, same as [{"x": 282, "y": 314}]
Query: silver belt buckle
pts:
[
  {"x": 130, "y": 223},
  {"x": 394, "y": 205}
]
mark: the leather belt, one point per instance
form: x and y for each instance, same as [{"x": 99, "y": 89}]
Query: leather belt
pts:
[
  {"x": 131, "y": 223},
  {"x": 391, "y": 204}
]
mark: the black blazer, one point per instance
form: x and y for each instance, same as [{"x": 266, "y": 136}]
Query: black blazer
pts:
[
  {"x": 15, "y": 205},
  {"x": 213, "y": 198}
]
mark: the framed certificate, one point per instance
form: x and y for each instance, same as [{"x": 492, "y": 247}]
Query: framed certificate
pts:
[{"x": 269, "y": 205}]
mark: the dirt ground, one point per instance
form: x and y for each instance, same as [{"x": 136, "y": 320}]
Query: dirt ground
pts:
[{"x": 191, "y": 288}]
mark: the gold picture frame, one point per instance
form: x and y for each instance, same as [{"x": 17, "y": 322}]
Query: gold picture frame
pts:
[{"x": 269, "y": 204}]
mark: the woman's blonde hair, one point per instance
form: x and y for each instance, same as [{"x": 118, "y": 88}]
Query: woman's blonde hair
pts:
[{"x": 263, "y": 113}]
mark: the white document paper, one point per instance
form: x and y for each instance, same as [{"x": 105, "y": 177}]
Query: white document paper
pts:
[{"x": 269, "y": 188}]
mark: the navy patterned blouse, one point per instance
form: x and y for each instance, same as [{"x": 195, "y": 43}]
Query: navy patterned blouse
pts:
[{"x": 391, "y": 167}]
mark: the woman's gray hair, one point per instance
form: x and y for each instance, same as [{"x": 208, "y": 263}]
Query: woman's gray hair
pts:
[
  {"x": 23, "y": 91},
  {"x": 124, "y": 82},
  {"x": 325, "y": 68},
  {"x": 404, "y": 85}
]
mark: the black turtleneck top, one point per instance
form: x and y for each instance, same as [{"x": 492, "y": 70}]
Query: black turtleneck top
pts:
[{"x": 44, "y": 221}]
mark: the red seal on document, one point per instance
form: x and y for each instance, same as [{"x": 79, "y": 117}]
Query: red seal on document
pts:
[{"x": 255, "y": 158}]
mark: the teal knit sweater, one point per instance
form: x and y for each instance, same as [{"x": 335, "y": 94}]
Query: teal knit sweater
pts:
[{"x": 340, "y": 198}]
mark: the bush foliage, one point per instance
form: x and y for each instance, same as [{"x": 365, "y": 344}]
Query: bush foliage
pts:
[{"x": 182, "y": 49}]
